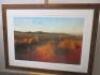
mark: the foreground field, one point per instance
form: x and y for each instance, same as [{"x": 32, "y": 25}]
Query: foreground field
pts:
[{"x": 48, "y": 47}]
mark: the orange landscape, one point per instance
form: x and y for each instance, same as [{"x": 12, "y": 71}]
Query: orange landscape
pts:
[{"x": 48, "y": 47}]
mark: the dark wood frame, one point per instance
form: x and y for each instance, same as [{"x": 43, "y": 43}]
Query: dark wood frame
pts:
[{"x": 53, "y": 6}]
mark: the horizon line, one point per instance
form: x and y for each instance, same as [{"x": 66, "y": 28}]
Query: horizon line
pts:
[{"x": 50, "y": 32}]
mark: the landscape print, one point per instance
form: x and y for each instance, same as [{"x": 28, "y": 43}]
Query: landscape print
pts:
[{"x": 49, "y": 39}]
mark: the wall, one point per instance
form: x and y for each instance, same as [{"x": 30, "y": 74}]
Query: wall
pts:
[{"x": 2, "y": 61}]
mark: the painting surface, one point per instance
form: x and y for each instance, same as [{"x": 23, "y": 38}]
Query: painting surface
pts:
[{"x": 48, "y": 39}]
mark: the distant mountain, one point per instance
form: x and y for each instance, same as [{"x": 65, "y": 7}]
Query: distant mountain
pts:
[{"x": 41, "y": 33}]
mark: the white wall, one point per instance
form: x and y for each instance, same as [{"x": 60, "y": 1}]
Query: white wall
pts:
[
  {"x": 23, "y": 1},
  {"x": 2, "y": 61},
  {"x": 74, "y": 1}
]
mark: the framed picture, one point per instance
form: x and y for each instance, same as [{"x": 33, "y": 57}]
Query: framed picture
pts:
[{"x": 56, "y": 38}]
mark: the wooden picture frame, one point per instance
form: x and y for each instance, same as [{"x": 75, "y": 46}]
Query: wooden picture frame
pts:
[{"x": 22, "y": 22}]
